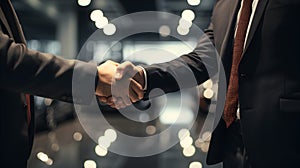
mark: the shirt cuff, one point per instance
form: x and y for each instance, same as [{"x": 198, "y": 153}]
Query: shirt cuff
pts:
[{"x": 145, "y": 77}]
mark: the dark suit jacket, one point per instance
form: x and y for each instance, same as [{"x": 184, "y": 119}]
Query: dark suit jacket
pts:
[
  {"x": 269, "y": 80},
  {"x": 26, "y": 71}
]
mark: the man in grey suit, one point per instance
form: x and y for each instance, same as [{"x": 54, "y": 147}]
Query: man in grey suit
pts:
[
  {"x": 25, "y": 72},
  {"x": 266, "y": 78}
]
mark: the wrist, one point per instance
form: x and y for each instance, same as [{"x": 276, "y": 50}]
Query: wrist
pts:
[{"x": 140, "y": 77}]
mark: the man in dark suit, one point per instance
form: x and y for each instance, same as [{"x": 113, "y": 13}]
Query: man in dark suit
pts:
[
  {"x": 266, "y": 78},
  {"x": 26, "y": 71}
]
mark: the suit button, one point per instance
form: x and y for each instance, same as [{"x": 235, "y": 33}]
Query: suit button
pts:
[{"x": 243, "y": 75}]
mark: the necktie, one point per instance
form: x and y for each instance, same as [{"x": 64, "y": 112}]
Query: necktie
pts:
[
  {"x": 231, "y": 102},
  {"x": 28, "y": 108}
]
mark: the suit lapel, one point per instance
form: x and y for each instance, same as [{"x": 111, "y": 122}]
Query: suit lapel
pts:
[
  {"x": 5, "y": 23},
  {"x": 229, "y": 29},
  {"x": 12, "y": 22},
  {"x": 261, "y": 6},
  {"x": 15, "y": 24}
]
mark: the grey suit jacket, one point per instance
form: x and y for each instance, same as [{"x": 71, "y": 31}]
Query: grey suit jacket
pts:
[
  {"x": 269, "y": 80},
  {"x": 27, "y": 71}
]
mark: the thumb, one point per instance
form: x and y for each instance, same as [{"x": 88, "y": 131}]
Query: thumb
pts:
[{"x": 124, "y": 68}]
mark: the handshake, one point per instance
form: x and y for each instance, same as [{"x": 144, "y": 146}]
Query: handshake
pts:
[{"x": 120, "y": 85}]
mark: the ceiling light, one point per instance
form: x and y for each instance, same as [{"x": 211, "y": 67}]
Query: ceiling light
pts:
[
  {"x": 208, "y": 93},
  {"x": 111, "y": 134},
  {"x": 189, "y": 151},
  {"x": 150, "y": 129},
  {"x": 186, "y": 142},
  {"x": 185, "y": 23},
  {"x": 100, "y": 151},
  {"x": 195, "y": 165},
  {"x": 164, "y": 30},
  {"x": 208, "y": 84},
  {"x": 188, "y": 15},
  {"x": 183, "y": 133},
  {"x": 90, "y": 164},
  {"x": 182, "y": 31},
  {"x": 96, "y": 14},
  {"x": 84, "y": 2},
  {"x": 193, "y": 2},
  {"x": 101, "y": 22},
  {"x": 104, "y": 141},
  {"x": 77, "y": 136},
  {"x": 109, "y": 29}
]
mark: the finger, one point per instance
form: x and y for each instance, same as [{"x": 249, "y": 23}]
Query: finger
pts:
[
  {"x": 124, "y": 68},
  {"x": 126, "y": 100},
  {"x": 121, "y": 93},
  {"x": 110, "y": 101},
  {"x": 132, "y": 95},
  {"x": 137, "y": 89},
  {"x": 123, "y": 98},
  {"x": 112, "y": 62},
  {"x": 123, "y": 105},
  {"x": 120, "y": 106},
  {"x": 113, "y": 106},
  {"x": 103, "y": 99},
  {"x": 117, "y": 102},
  {"x": 120, "y": 103},
  {"x": 106, "y": 72}
]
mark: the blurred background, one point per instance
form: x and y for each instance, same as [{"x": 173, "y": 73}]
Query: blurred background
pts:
[{"x": 61, "y": 27}]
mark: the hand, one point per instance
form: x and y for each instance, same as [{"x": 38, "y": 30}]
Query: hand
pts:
[
  {"x": 121, "y": 97},
  {"x": 106, "y": 74},
  {"x": 130, "y": 75},
  {"x": 129, "y": 69}
]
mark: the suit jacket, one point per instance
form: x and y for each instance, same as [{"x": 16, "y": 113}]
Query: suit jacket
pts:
[
  {"x": 27, "y": 71},
  {"x": 269, "y": 80}
]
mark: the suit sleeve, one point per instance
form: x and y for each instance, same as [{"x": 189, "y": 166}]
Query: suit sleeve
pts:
[
  {"x": 201, "y": 62},
  {"x": 28, "y": 71}
]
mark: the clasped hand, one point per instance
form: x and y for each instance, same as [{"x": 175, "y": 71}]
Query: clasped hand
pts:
[{"x": 120, "y": 85}]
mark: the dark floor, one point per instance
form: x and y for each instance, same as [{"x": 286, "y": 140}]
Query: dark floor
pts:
[{"x": 68, "y": 150}]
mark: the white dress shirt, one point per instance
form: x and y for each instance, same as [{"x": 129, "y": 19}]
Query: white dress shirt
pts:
[{"x": 254, "y": 5}]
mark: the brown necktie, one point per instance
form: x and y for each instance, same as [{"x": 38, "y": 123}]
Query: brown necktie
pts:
[
  {"x": 28, "y": 108},
  {"x": 231, "y": 102}
]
